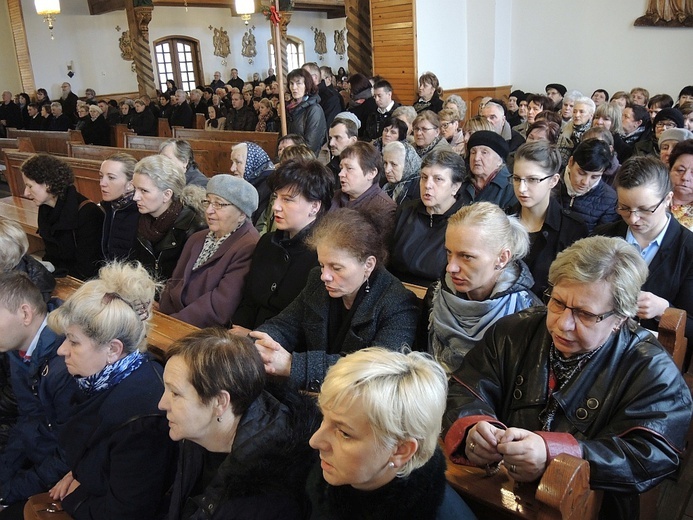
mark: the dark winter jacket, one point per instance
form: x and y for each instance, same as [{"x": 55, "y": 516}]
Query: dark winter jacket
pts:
[
  {"x": 418, "y": 244},
  {"x": 308, "y": 119},
  {"x": 37, "y": 273},
  {"x": 384, "y": 315},
  {"x": 376, "y": 121},
  {"x": 160, "y": 258},
  {"x": 330, "y": 102},
  {"x": 435, "y": 104},
  {"x": 119, "y": 230},
  {"x": 596, "y": 207},
  {"x": 71, "y": 232},
  {"x": 499, "y": 191},
  {"x": 242, "y": 119},
  {"x": 423, "y": 495},
  {"x": 263, "y": 477},
  {"x": 278, "y": 273},
  {"x": 32, "y": 463},
  {"x": 144, "y": 123},
  {"x": 626, "y": 412},
  {"x": 118, "y": 448},
  {"x": 97, "y": 132},
  {"x": 181, "y": 115}
]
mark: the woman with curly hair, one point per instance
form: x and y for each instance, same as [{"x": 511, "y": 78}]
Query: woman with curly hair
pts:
[{"x": 69, "y": 223}]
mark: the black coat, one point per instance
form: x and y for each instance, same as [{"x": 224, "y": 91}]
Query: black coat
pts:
[
  {"x": 119, "y": 230},
  {"x": 423, "y": 495},
  {"x": 561, "y": 228},
  {"x": 181, "y": 115},
  {"x": 243, "y": 119},
  {"x": 37, "y": 273},
  {"x": 330, "y": 102},
  {"x": 160, "y": 258},
  {"x": 278, "y": 273},
  {"x": 71, "y": 232},
  {"x": 626, "y": 412},
  {"x": 308, "y": 119},
  {"x": 671, "y": 269},
  {"x": 144, "y": 123},
  {"x": 596, "y": 207},
  {"x": 118, "y": 448},
  {"x": 97, "y": 132},
  {"x": 263, "y": 477},
  {"x": 59, "y": 124},
  {"x": 11, "y": 114},
  {"x": 418, "y": 245}
]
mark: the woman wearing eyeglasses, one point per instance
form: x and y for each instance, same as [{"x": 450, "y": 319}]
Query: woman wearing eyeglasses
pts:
[
  {"x": 207, "y": 283},
  {"x": 644, "y": 194},
  {"x": 551, "y": 229},
  {"x": 579, "y": 377},
  {"x": 427, "y": 136}
]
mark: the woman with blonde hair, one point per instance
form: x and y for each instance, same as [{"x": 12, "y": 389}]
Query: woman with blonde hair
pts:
[
  {"x": 116, "y": 442},
  {"x": 485, "y": 279},
  {"x": 378, "y": 442},
  {"x": 427, "y": 134}
]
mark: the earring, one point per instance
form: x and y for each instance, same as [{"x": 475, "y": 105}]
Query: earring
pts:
[
  {"x": 219, "y": 418},
  {"x": 497, "y": 268},
  {"x": 368, "y": 286},
  {"x": 391, "y": 464}
]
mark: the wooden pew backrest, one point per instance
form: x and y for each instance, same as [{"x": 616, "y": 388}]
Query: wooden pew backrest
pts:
[
  {"x": 54, "y": 143},
  {"x": 266, "y": 140}
]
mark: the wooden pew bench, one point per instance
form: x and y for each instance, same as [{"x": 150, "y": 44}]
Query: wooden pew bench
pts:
[
  {"x": 25, "y": 213},
  {"x": 86, "y": 174},
  {"x": 211, "y": 156},
  {"x": 54, "y": 143},
  {"x": 266, "y": 140}
]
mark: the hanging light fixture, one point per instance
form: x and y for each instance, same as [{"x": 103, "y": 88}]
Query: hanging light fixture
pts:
[
  {"x": 245, "y": 8},
  {"x": 48, "y": 9}
]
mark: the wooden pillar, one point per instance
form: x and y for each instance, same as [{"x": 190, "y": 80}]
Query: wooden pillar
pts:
[
  {"x": 358, "y": 24},
  {"x": 26, "y": 72},
  {"x": 138, "y": 25}
]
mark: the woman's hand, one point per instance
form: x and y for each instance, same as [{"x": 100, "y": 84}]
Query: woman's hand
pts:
[
  {"x": 650, "y": 306},
  {"x": 276, "y": 359},
  {"x": 524, "y": 454},
  {"x": 239, "y": 331},
  {"x": 482, "y": 443},
  {"x": 63, "y": 487}
]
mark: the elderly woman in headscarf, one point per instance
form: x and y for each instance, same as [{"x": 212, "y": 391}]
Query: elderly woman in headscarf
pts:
[
  {"x": 402, "y": 165},
  {"x": 250, "y": 162}
]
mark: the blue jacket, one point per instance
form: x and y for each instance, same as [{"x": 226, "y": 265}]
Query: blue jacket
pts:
[
  {"x": 596, "y": 207},
  {"x": 32, "y": 463}
]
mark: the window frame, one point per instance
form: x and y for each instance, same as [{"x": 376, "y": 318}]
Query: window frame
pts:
[{"x": 196, "y": 60}]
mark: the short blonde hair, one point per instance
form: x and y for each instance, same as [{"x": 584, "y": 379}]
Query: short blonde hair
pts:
[
  {"x": 116, "y": 305},
  {"x": 500, "y": 230},
  {"x": 403, "y": 396},
  {"x": 13, "y": 244}
]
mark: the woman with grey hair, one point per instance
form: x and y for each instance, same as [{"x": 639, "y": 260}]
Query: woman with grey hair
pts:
[
  {"x": 181, "y": 153},
  {"x": 578, "y": 377},
  {"x": 571, "y": 136},
  {"x": 401, "y": 164},
  {"x": 455, "y": 101},
  {"x": 390, "y": 405}
]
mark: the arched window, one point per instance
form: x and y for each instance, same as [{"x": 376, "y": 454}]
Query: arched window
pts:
[
  {"x": 178, "y": 58},
  {"x": 295, "y": 53}
]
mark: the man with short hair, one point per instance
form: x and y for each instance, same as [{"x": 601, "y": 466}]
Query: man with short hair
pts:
[
  {"x": 10, "y": 113},
  {"x": 90, "y": 96},
  {"x": 31, "y": 461},
  {"x": 329, "y": 101},
  {"x": 494, "y": 111},
  {"x": 182, "y": 114},
  {"x": 68, "y": 100},
  {"x": 217, "y": 82},
  {"x": 271, "y": 76},
  {"x": 343, "y": 132},
  {"x": 197, "y": 104},
  {"x": 235, "y": 81},
  {"x": 240, "y": 116},
  {"x": 385, "y": 105},
  {"x": 35, "y": 122},
  {"x": 110, "y": 113},
  {"x": 60, "y": 122}
]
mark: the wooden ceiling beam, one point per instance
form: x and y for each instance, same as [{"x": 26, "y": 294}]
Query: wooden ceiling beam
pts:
[{"x": 333, "y": 8}]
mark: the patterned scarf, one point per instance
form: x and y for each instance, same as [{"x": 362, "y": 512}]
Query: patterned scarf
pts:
[
  {"x": 110, "y": 375},
  {"x": 210, "y": 247},
  {"x": 423, "y": 151},
  {"x": 257, "y": 161},
  {"x": 122, "y": 201}
]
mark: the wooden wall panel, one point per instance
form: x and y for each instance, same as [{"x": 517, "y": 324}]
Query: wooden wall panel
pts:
[
  {"x": 393, "y": 32},
  {"x": 358, "y": 26},
  {"x": 26, "y": 73},
  {"x": 472, "y": 96}
]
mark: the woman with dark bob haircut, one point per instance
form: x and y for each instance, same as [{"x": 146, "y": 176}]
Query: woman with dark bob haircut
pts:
[
  {"x": 304, "y": 113},
  {"x": 349, "y": 303},
  {"x": 282, "y": 260},
  {"x": 69, "y": 223},
  {"x": 243, "y": 452}
]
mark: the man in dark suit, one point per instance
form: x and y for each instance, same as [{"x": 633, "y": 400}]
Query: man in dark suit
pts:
[
  {"x": 68, "y": 100},
  {"x": 60, "y": 122},
  {"x": 235, "y": 81},
  {"x": 182, "y": 114}
]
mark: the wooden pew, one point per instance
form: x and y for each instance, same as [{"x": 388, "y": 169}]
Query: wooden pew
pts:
[
  {"x": 25, "y": 213},
  {"x": 54, "y": 143},
  {"x": 86, "y": 174},
  {"x": 118, "y": 133},
  {"x": 266, "y": 140},
  {"x": 211, "y": 156},
  {"x": 199, "y": 122},
  {"x": 101, "y": 153},
  {"x": 164, "y": 128}
]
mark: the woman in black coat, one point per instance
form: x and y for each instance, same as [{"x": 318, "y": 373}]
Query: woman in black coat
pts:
[
  {"x": 644, "y": 194},
  {"x": 282, "y": 260},
  {"x": 551, "y": 228},
  {"x": 350, "y": 303},
  {"x": 116, "y": 442},
  {"x": 304, "y": 113},
  {"x": 96, "y": 129},
  {"x": 143, "y": 121},
  {"x": 69, "y": 223},
  {"x": 243, "y": 452}
]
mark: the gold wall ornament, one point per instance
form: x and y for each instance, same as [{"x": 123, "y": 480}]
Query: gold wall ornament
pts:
[
  {"x": 248, "y": 49},
  {"x": 667, "y": 13},
  {"x": 222, "y": 45},
  {"x": 125, "y": 43},
  {"x": 320, "y": 41},
  {"x": 340, "y": 43}
]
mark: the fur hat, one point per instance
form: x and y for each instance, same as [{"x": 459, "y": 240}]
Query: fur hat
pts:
[
  {"x": 237, "y": 191},
  {"x": 491, "y": 139}
]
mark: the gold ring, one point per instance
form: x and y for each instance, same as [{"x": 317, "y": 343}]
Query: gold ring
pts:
[
  {"x": 472, "y": 445},
  {"x": 512, "y": 468}
]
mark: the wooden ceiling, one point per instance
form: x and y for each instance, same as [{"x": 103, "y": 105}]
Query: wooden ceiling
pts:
[{"x": 333, "y": 8}]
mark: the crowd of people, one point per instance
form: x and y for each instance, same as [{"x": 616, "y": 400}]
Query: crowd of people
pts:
[{"x": 549, "y": 233}]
